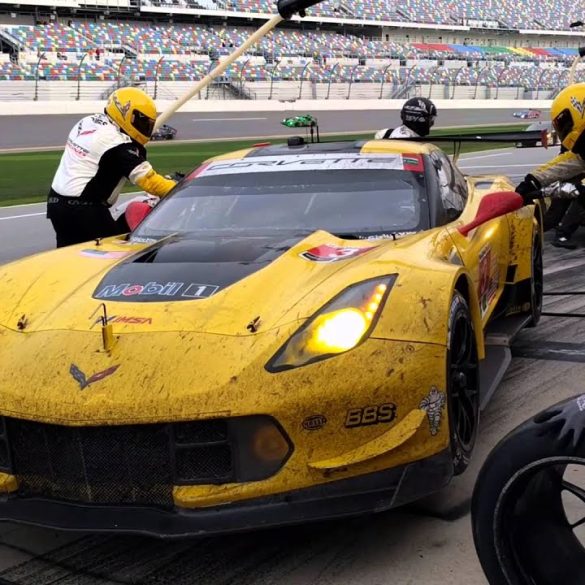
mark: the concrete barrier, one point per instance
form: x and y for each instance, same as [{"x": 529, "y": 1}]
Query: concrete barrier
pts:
[{"x": 20, "y": 108}]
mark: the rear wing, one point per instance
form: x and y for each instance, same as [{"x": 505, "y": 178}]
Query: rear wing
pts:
[{"x": 490, "y": 137}]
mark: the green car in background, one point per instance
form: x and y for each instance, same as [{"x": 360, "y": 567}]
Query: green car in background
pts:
[{"x": 303, "y": 121}]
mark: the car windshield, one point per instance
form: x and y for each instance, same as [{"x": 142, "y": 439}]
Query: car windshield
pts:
[
  {"x": 539, "y": 126},
  {"x": 345, "y": 194}
]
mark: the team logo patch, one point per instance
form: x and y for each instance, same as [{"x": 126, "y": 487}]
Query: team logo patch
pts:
[
  {"x": 433, "y": 404},
  {"x": 332, "y": 253},
  {"x": 84, "y": 381},
  {"x": 122, "y": 108},
  {"x": 579, "y": 106}
]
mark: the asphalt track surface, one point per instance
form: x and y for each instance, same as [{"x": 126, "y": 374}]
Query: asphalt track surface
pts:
[
  {"x": 51, "y": 130},
  {"x": 428, "y": 543}
]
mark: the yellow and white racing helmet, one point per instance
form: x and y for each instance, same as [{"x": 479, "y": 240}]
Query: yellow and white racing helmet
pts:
[
  {"x": 133, "y": 111},
  {"x": 568, "y": 114}
]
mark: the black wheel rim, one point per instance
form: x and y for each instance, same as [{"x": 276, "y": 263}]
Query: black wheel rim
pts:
[
  {"x": 535, "y": 538},
  {"x": 536, "y": 288},
  {"x": 463, "y": 382}
]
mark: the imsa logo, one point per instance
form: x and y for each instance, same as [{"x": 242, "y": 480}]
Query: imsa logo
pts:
[{"x": 370, "y": 415}]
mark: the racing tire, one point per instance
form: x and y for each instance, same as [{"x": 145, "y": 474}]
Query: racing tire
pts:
[
  {"x": 536, "y": 277},
  {"x": 462, "y": 383},
  {"x": 523, "y": 525}
]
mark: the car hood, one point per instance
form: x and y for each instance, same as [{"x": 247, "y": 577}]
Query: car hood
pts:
[{"x": 211, "y": 285}]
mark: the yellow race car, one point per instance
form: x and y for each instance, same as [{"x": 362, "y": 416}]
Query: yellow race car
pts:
[{"x": 297, "y": 332}]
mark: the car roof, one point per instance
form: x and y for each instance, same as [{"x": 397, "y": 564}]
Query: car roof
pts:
[{"x": 356, "y": 147}]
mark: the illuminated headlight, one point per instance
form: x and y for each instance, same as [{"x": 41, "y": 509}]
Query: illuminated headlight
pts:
[{"x": 337, "y": 327}]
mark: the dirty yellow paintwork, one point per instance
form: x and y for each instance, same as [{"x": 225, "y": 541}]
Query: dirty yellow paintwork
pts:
[
  {"x": 197, "y": 360},
  {"x": 394, "y": 438},
  {"x": 8, "y": 483}
]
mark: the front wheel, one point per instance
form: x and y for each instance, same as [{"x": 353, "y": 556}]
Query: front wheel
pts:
[
  {"x": 536, "y": 278},
  {"x": 462, "y": 383},
  {"x": 529, "y": 501}
]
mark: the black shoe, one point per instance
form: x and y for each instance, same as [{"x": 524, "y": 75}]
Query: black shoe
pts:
[{"x": 563, "y": 242}]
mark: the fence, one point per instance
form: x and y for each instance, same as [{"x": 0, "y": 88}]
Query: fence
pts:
[{"x": 492, "y": 81}]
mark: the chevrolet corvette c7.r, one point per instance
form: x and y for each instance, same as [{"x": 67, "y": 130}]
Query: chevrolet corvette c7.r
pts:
[{"x": 296, "y": 333}]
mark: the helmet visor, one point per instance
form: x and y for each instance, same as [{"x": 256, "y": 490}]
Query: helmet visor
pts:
[
  {"x": 144, "y": 124},
  {"x": 563, "y": 124}
]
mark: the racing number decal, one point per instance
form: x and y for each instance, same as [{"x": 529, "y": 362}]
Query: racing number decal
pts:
[{"x": 488, "y": 278}]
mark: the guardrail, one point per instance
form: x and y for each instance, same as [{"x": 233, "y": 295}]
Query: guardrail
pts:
[{"x": 27, "y": 108}]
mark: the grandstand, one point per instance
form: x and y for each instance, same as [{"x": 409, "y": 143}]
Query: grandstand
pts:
[{"x": 444, "y": 49}]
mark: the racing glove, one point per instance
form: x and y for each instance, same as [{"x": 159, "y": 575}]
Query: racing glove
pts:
[
  {"x": 150, "y": 181},
  {"x": 176, "y": 176},
  {"x": 530, "y": 189}
]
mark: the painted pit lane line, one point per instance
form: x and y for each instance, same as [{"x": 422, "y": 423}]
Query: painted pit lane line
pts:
[
  {"x": 551, "y": 350},
  {"x": 22, "y": 216}
]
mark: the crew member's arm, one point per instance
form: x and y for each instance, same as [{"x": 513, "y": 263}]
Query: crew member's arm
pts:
[
  {"x": 129, "y": 160},
  {"x": 150, "y": 181},
  {"x": 563, "y": 167}
]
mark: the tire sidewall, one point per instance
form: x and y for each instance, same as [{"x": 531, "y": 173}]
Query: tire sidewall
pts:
[
  {"x": 535, "y": 303},
  {"x": 522, "y": 449},
  {"x": 461, "y": 455}
]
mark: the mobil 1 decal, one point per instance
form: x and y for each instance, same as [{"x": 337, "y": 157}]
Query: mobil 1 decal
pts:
[{"x": 154, "y": 291}]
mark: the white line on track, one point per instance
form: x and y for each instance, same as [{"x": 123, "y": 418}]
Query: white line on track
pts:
[
  {"x": 466, "y": 158},
  {"x": 21, "y": 216},
  {"x": 224, "y": 119}
]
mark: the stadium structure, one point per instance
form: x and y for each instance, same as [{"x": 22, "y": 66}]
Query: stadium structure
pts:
[{"x": 479, "y": 49}]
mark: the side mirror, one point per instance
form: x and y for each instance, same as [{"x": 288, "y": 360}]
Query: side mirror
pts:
[
  {"x": 135, "y": 213},
  {"x": 492, "y": 206}
]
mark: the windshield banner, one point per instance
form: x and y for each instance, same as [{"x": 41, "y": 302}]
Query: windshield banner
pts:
[{"x": 305, "y": 162}]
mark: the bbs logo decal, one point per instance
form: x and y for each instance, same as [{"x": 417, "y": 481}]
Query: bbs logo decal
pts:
[
  {"x": 579, "y": 106},
  {"x": 370, "y": 415}
]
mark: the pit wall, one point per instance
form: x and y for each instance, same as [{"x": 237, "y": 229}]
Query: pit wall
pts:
[{"x": 20, "y": 108}]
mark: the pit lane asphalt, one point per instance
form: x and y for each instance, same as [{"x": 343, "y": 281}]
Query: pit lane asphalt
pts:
[
  {"x": 428, "y": 543},
  {"x": 51, "y": 130}
]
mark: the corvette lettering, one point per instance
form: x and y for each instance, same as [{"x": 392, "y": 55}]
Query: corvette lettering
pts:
[
  {"x": 169, "y": 289},
  {"x": 337, "y": 161},
  {"x": 77, "y": 149}
]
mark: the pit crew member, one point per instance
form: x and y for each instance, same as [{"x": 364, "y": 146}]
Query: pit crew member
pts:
[
  {"x": 567, "y": 114},
  {"x": 418, "y": 116},
  {"x": 102, "y": 151}
]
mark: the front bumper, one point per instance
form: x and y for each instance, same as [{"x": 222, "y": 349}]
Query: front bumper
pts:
[{"x": 374, "y": 492}]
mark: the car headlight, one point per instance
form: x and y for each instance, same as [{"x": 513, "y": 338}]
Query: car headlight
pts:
[{"x": 337, "y": 327}]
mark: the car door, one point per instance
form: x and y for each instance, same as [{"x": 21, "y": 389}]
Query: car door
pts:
[{"x": 485, "y": 251}]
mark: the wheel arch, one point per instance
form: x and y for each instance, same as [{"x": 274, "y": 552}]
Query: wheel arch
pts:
[{"x": 464, "y": 286}]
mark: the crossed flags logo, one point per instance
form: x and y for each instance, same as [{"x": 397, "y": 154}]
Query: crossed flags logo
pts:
[
  {"x": 124, "y": 109},
  {"x": 84, "y": 381},
  {"x": 579, "y": 106}
]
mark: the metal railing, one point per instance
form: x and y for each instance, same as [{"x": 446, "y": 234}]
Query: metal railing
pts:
[{"x": 335, "y": 81}]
